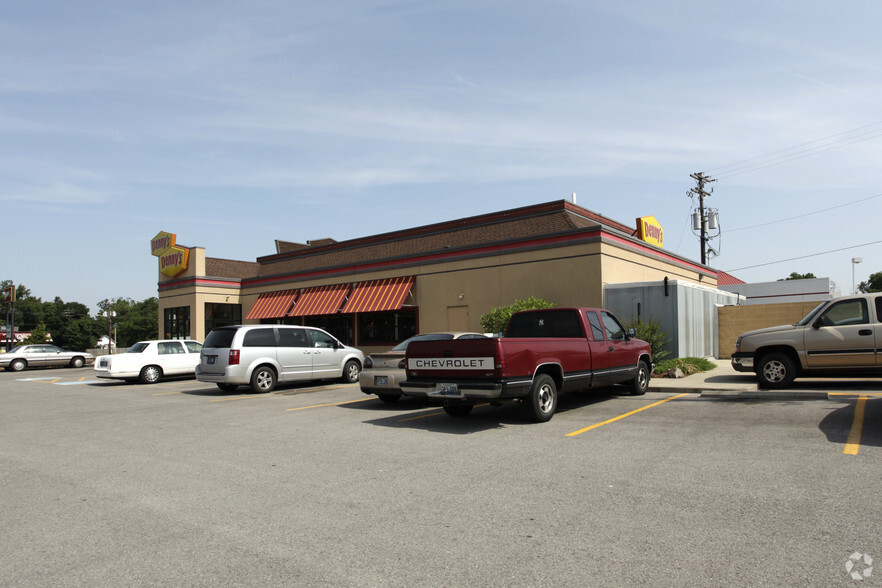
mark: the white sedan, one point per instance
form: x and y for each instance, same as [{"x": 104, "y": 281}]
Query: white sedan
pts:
[{"x": 149, "y": 361}]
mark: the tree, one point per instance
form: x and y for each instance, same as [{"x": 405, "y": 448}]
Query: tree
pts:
[
  {"x": 796, "y": 276},
  {"x": 496, "y": 320},
  {"x": 135, "y": 321},
  {"x": 37, "y": 336},
  {"x": 873, "y": 284}
]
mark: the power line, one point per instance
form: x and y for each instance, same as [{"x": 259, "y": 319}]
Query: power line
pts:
[
  {"x": 802, "y": 257},
  {"x": 792, "y": 153},
  {"x": 806, "y": 214}
]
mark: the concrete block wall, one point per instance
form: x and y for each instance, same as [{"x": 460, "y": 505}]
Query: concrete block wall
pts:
[{"x": 734, "y": 320}]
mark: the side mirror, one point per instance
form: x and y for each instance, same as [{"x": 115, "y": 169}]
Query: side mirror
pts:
[
  {"x": 817, "y": 324},
  {"x": 632, "y": 332}
]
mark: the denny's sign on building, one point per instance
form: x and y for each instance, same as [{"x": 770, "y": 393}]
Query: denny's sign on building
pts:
[
  {"x": 173, "y": 260},
  {"x": 650, "y": 231}
]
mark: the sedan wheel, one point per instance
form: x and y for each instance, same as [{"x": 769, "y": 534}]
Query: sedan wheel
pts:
[
  {"x": 18, "y": 365},
  {"x": 150, "y": 374}
]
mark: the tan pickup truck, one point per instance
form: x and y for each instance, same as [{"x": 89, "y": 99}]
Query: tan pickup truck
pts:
[{"x": 840, "y": 337}]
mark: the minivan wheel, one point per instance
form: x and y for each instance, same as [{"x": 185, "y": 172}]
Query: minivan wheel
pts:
[
  {"x": 263, "y": 379},
  {"x": 350, "y": 371}
]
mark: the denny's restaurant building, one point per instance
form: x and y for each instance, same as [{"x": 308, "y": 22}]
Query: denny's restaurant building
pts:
[{"x": 376, "y": 291}]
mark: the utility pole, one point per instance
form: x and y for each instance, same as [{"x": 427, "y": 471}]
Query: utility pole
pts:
[{"x": 703, "y": 217}]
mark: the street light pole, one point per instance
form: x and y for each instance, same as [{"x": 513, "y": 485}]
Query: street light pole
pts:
[{"x": 854, "y": 262}]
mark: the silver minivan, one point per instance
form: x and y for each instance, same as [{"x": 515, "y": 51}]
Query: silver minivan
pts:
[{"x": 262, "y": 355}]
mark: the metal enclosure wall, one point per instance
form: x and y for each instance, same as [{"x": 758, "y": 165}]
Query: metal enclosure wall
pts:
[{"x": 686, "y": 311}]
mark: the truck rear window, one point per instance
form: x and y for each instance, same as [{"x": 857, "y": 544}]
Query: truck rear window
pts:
[{"x": 546, "y": 323}]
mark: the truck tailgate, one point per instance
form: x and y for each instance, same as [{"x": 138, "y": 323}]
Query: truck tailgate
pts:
[{"x": 463, "y": 358}]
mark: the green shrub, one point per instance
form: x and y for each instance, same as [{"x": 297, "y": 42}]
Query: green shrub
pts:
[
  {"x": 687, "y": 365},
  {"x": 652, "y": 333},
  {"x": 496, "y": 320}
]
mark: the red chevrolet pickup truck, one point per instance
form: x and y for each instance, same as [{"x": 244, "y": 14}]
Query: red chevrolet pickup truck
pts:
[{"x": 543, "y": 353}]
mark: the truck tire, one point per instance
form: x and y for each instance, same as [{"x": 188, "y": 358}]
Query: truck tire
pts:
[
  {"x": 640, "y": 384},
  {"x": 775, "y": 370},
  {"x": 541, "y": 403}
]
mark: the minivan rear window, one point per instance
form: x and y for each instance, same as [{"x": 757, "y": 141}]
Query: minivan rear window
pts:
[
  {"x": 220, "y": 338},
  {"x": 259, "y": 338}
]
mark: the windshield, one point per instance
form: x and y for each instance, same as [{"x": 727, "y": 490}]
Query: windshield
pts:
[
  {"x": 137, "y": 347},
  {"x": 811, "y": 316},
  {"x": 427, "y": 337},
  {"x": 17, "y": 349}
]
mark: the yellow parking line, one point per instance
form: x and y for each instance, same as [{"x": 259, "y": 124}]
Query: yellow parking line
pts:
[
  {"x": 165, "y": 393},
  {"x": 853, "y": 444},
  {"x": 621, "y": 416},
  {"x": 331, "y": 404}
]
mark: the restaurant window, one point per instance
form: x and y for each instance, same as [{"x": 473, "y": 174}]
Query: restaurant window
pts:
[
  {"x": 339, "y": 325},
  {"x": 386, "y": 328},
  {"x": 177, "y": 323},
  {"x": 221, "y": 315}
]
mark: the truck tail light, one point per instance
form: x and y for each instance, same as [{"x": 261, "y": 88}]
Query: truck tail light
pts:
[
  {"x": 234, "y": 357},
  {"x": 401, "y": 365}
]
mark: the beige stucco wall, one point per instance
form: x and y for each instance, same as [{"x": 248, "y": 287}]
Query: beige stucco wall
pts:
[{"x": 735, "y": 320}]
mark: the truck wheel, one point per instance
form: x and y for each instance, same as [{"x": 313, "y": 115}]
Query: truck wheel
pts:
[
  {"x": 541, "y": 403},
  {"x": 390, "y": 398},
  {"x": 775, "y": 370},
  {"x": 263, "y": 379},
  {"x": 640, "y": 384},
  {"x": 458, "y": 410}
]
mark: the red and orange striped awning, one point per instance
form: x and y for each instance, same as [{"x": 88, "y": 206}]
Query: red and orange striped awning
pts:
[
  {"x": 272, "y": 305},
  {"x": 320, "y": 300},
  {"x": 379, "y": 295}
]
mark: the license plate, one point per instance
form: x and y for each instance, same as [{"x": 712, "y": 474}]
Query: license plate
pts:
[
  {"x": 446, "y": 390},
  {"x": 210, "y": 359},
  {"x": 381, "y": 381}
]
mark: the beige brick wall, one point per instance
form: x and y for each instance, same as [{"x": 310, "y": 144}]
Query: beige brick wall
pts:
[{"x": 735, "y": 320}]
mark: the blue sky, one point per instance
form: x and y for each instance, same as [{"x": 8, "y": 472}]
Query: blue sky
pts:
[{"x": 232, "y": 124}]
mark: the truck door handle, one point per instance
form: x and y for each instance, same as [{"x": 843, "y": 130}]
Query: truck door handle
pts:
[
  {"x": 612, "y": 348},
  {"x": 865, "y": 332}
]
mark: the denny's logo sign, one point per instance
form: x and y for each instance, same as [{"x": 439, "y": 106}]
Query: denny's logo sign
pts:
[
  {"x": 173, "y": 260},
  {"x": 650, "y": 231}
]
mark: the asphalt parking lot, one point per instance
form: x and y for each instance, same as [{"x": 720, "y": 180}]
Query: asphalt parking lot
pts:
[{"x": 177, "y": 483}]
